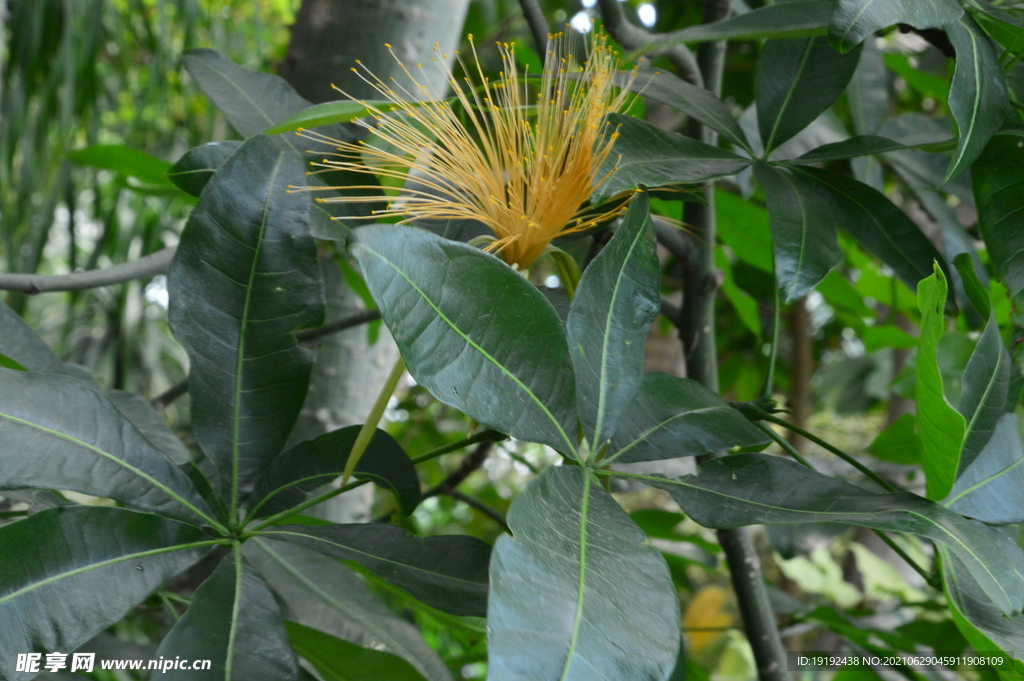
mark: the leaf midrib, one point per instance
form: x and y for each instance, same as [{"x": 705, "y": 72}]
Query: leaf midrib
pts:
[
  {"x": 582, "y": 579},
  {"x": 768, "y": 147}
]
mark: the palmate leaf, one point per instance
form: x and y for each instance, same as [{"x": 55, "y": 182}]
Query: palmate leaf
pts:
[
  {"x": 577, "y": 592},
  {"x": 447, "y": 572},
  {"x": 853, "y": 20},
  {"x": 472, "y": 331},
  {"x": 747, "y": 489},
  {"x": 317, "y": 591},
  {"x": 68, "y": 573},
  {"x": 614, "y": 306},
  {"x": 59, "y": 432},
  {"x": 244, "y": 278},
  {"x": 234, "y": 622},
  {"x": 340, "y": 660}
]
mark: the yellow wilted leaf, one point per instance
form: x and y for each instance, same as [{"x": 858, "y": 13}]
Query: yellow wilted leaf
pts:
[{"x": 706, "y": 618}]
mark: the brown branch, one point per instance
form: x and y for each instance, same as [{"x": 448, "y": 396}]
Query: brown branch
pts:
[
  {"x": 144, "y": 267},
  {"x": 632, "y": 37},
  {"x": 538, "y": 25}
]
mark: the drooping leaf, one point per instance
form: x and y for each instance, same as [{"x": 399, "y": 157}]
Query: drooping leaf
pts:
[
  {"x": 615, "y": 304},
  {"x": 313, "y": 463},
  {"x": 510, "y": 370},
  {"x": 860, "y": 145},
  {"x": 998, "y": 177},
  {"x": 578, "y": 589},
  {"x": 191, "y": 172},
  {"x": 126, "y": 161},
  {"x": 644, "y": 155},
  {"x": 983, "y": 392},
  {"x": 853, "y": 20},
  {"x": 671, "y": 417},
  {"x": 234, "y": 622},
  {"x": 329, "y": 113},
  {"x": 58, "y": 432},
  {"x": 796, "y": 81},
  {"x": 898, "y": 443},
  {"x": 940, "y": 427},
  {"x": 320, "y": 592},
  {"x": 868, "y": 91},
  {"x": 447, "y": 572},
  {"x": 694, "y": 101},
  {"x": 68, "y": 573},
  {"x": 244, "y": 278},
  {"x": 747, "y": 489},
  {"x": 974, "y": 290},
  {"x": 150, "y": 424},
  {"x": 23, "y": 345},
  {"x": 991, "y": 488},
  {"x": 340, "y": 660},
  {"x": 802, "y": 217},
  {"x": 977, "y": 94},
  {"x": 882, "y": 229}
]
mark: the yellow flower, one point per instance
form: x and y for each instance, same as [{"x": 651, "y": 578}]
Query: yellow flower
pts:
[{"x": 524, "y": 171}]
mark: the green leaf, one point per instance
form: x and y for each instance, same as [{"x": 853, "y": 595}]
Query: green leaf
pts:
[
  {"x": 882, "y": 229},
  {"x": 58, "y": 432},
  {"x": 244, "y": 278},
  {"x": 927, "y": 84},
  {"x": 898, "y": 443},
  {"x": 511, "y": 370},
  {"x": 314, "y": 463},
  {"x": 998, "y": 177},
  {"x": 802, "y": 218},
  {"x": 447, "y": 572},
  {"x": 615, "y": 304},
  {"x": 577, "y": 589},
  {"x": 68, "y": 573},
  {"x": 991, "y": 488},
  {"x": 860, "y": 145},
  {"x": 940, "y": 427},
  {"x": 150, "y": 424},
  {"x": 983, "y": 391},
  {"x": 887, "y": 336},
  {"x": 124, "y": 160},
  {"x": 998, "y": 13},
  {"x": 977, "y": 96},
  {"x": 328, "y": 113},
  {"x": 854, "y": 20},
  {"x": 23, "y": 345},
  {"x": 744, "y": 228},
  {"x": 320, "y": 592},
  {"x": 746, "y": 305},
  {"x": 191, "y": 172},
  {"x": 796, "y": 81},
  {"x": 694, "y": 101},
  {"x": 747, "y": 489},
  {"x": 799, "y": 19},
  {"x": 671, "y": 417},
  {"x": 338, "y": 660},
  {"x": 644, "y": 155},
  {"x": 976, "y": 292},
  {"x": 233, "y": 621}
]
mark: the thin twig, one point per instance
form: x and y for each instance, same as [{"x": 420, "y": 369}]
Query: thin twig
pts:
[
  {"x": 474, "y": 503},
  {"x": 162, "y": 400},
  {"x": 631, "y": 37},
  {"x": 930, "y": 579},
  {"x": 781, "y": 441},
  {"x": 538, "y": 25},
  {"x": 144, "y": 267}
]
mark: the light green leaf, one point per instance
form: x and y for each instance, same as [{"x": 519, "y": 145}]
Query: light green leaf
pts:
[
  {"x": 898, "y": 443},
  {"x": 328, "y": 113},
  {"x": 339, "y": 660},
  {"x": 983, "y": 391},
  {"x": 126, "y": 161}
]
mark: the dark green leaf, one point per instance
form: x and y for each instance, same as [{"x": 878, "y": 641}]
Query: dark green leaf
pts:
[
  {"x": 798, "y": 19},
  {"x": 796, "y": 81},
  {"x": 983, "y": 391},
  {"x": 869, "y": 91},
  {"x": 977, "y": 95},
  {"x": 853, "y": 20},
  {"x": 23, "y": 345},
  {"x": 320, "y": 592},
  {"x": 57, "y": 432},
  {"x": 615, "y": 304},
  {"x": 234, "y": 622},
  {"x": 991, "y": 488},
  {"x": 671, "y": 417},
  {"x": 510, "y": 370},
  {"x": 860, "y": 145},
  {"x": 647, "y": 156},
  {"x": 998, "y": 177},
  {"x": 69, "y": 573},
  {"x": 898, "y": 443},
  {"x": 150, "y": 424},
  {"x": 244, "y": 278},
  {"x": 577, "y": 590},
  {"x": 882, "y": 229},
  {"x": 940, "y": 427},
  {"x": 927, "y": 84},
  {"x": 328, "y": 113},
  {"x": 802, "y": 217},
  {"x": 958, "y": 244},
  {"x": 976, "y": 292},
  {"x": 694, "y": 101},
  {"x": 338, "y": 660},
  {"x": 447, "y": 572},
  {"x": 191, "y": 172},
  {"x": 313, "y": 463},
  {"x": 747, "y": 489},
  {"x": 124, "y": 160}
]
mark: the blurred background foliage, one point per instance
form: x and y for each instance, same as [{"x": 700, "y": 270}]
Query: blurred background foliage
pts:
[{"x": 80, "y": 73}]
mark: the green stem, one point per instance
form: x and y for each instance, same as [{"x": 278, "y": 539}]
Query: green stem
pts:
[
  {"x": 370, "y": 427},
  {"x": 930, "y": 579},
  {"x": 781, "y": 441},
  {"x": 821, "y": 443},
  {"x": 773, "y": 354}
]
